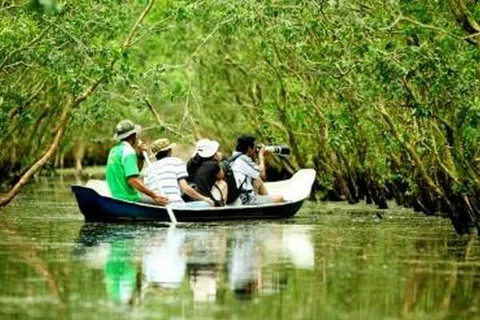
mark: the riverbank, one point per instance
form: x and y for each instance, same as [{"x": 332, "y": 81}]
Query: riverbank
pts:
[{"x": 95, "y": 172}]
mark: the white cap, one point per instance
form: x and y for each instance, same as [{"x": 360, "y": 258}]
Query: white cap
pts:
[{"x": 207, "y": 148}]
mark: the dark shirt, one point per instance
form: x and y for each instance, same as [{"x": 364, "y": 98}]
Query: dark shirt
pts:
[{"x": 204, "y": 175}]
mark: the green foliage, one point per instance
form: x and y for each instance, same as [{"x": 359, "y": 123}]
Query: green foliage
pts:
[
  {"x": 52, "y": 51},
  {"x": 314, "y": 75}
]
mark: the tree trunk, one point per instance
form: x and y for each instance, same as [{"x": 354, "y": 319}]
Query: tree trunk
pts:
[
  {"x": 64, "y": 118},
  {"x": 78, "y": 154}
]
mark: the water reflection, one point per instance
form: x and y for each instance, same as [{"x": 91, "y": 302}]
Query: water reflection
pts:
[
  {"x": 209, "y": 263},
  {"x": 165, "y": 261},
  {"x": 244, "y": 272},
  {"x": 346, "y": 264},
  {"x": 121, "y": 273}
]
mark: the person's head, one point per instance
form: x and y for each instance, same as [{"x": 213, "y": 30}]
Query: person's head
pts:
[
  {"x": 162, "y": 148},
  {"x": 126, "y": 130},
  {"x": 206, "y": 149},
  {"x": 246, "y": 145}
]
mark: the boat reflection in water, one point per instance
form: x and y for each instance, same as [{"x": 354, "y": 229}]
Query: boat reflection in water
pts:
[{"x": 204, "y": 263}]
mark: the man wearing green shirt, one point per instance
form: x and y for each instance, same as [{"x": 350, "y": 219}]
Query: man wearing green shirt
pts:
[{"x": 122, "y": 167}]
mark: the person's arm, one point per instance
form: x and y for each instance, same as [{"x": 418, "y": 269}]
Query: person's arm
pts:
[
  {"x": 260, "y": 186},
  {"x": 261, "y": 163},
  {"x": 220, "y": 174},
  {"x": 192, "y": 193},
  {"x": 142, "y": 151},
  {"x": 135, "y": 182}
]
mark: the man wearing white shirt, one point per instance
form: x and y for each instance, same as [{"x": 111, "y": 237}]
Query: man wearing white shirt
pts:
[
  {"x": 249, "y": 175},
  {"x": 168, "y": 176}
]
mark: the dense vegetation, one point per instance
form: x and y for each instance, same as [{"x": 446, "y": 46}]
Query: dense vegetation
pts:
[{"x": 380, "y": 97}]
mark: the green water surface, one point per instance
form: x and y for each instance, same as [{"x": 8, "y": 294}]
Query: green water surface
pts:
[{"x": 332, "y": 261}]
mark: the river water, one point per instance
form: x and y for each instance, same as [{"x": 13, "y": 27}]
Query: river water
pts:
[{"x": 332, "y": 261}]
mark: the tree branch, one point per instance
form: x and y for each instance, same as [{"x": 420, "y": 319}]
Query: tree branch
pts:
[
  {"x": 12, "y": 113},
  {"x": 412, "y": 153},
  {"x": 423, "y": 25},
  {"x": 65, "y": 117},
  {"x": 35, "y": 40},
  {"x": 465, "y": 19},
  {"x": 159, "y": 120}
]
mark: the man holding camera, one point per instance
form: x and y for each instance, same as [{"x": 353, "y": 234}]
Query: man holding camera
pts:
[{"x": 249, "y": 171}]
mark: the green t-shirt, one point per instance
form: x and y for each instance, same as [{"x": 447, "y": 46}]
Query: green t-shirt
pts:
[{"x": 121, "y": 164}]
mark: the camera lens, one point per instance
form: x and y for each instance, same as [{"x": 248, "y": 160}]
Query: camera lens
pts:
[
  {"x": 278, "y": 150},
  {"x": 283, "y": 151}
]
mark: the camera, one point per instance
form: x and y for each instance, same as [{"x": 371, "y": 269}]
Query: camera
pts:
[{"x": 282, "y": 151}]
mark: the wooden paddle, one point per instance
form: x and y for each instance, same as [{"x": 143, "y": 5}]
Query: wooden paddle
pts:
[{"x": 171, "y": 215}]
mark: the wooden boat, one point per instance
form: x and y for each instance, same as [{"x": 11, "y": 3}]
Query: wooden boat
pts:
[{"x": 97, "y": 204}]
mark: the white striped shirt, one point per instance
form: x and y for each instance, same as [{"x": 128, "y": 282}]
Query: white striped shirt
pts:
[{"x": 162, "y": 177}]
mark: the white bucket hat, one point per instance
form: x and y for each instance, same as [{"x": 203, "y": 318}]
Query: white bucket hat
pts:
[
  {"x": 126, "y": 128},
  {"x": 207, "y": 148}
]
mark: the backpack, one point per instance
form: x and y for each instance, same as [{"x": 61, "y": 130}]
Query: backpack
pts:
[{"x": 233, "y": 191}]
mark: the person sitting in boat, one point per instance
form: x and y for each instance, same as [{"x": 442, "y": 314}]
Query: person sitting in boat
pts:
[
  {"x": 248, "y": 168},
  {"x": 168, "y": 175},
  {"x": 205, "y": 173},
  {"x": 122, "y": 173}
]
